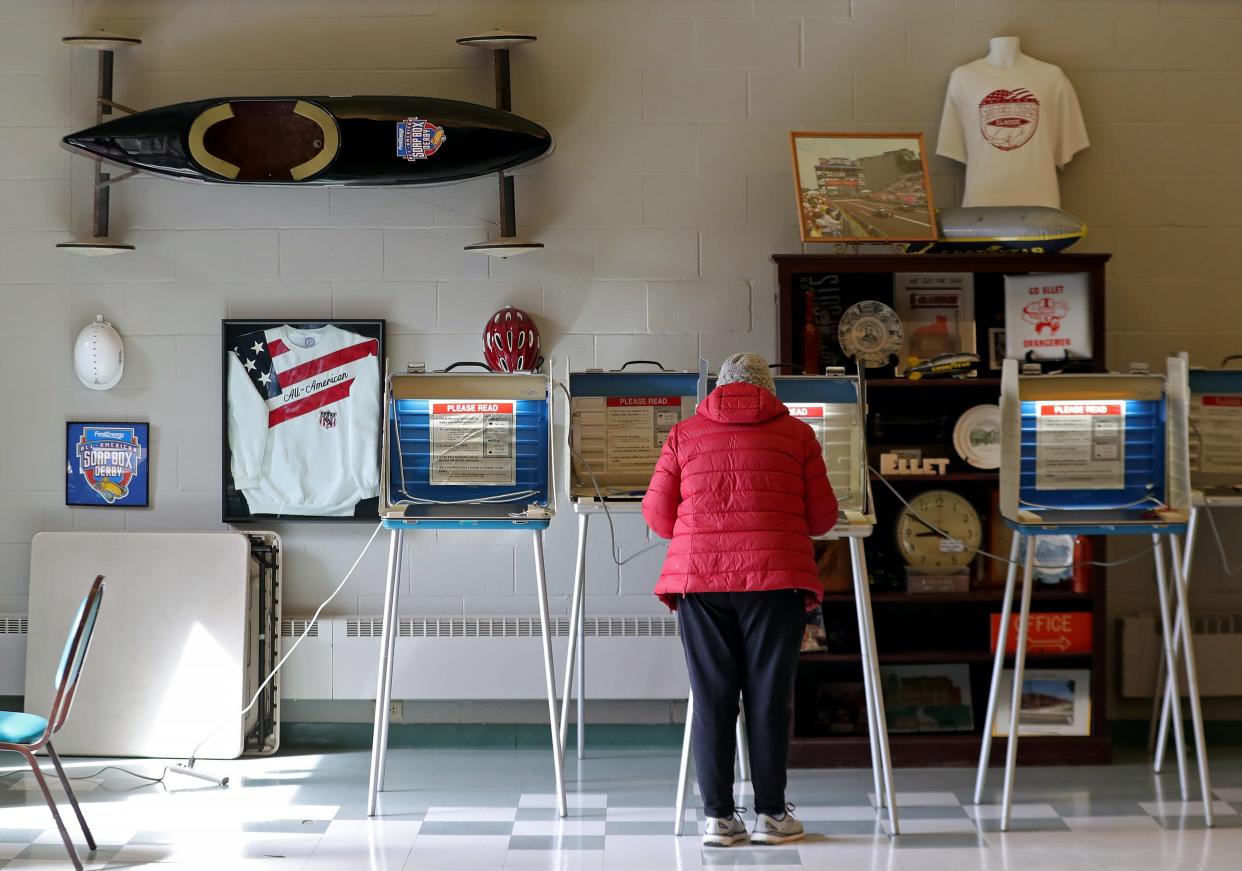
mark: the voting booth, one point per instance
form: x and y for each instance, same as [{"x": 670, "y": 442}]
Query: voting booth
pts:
[
  {"x": 834, "y": 406},
  {"x": 618, "y": 421},
  {"x": 1093, "y": 454},
  {"x": 463, "y": 451},
  {"x": 1216, "y": 483}
]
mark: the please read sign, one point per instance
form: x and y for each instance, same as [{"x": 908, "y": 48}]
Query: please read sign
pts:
[{"x": 1051, "y": 632}]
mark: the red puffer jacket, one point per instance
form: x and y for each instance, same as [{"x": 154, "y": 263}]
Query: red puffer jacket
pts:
[{"x": 740, "y": 488}]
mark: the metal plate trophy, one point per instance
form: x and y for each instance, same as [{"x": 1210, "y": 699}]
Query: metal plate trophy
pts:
[
  {"x": 1216, "y": 481},
  {"x": 1094, "y": 454},
  {"x": 834, "y": 406},
  {"x": 464, "y": 451},
  {"x": 618, "y": 421}
]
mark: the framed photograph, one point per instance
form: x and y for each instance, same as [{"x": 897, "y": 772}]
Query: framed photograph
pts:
[
  {"x": 1054, "y": 702},
  {"x": 302, "y": 412},
  {"x": 927, "y": 698},
  {"x": 841, "y": 708},
  {"x": 996, "y": 348},
  {"x": 937, "y": 314},
  {"x": 862, "y": 187},
  {"x": 107, "y": 465}
]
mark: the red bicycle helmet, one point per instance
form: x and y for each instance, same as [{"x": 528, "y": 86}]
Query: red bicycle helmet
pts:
[{"x": 511, "y": 341}]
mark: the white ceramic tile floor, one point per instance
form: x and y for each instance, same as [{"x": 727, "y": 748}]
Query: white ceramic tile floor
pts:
[{"x": 492, "y": 810}]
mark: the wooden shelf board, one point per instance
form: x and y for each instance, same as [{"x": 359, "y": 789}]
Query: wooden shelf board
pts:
[
  {"x": 882, "y": 383},
  {"x": 991, "y": 594},
  {"x": 922, "y": 750},
  {"x": 989, "y": 477},
  {"x": 937, "y": 656}
]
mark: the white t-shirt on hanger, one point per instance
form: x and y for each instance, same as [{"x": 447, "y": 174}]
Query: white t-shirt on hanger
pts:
[{"x": 1013, "y": 128}]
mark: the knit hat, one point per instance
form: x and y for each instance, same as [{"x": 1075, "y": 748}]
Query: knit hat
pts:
[{"x": 747, "y": 369}]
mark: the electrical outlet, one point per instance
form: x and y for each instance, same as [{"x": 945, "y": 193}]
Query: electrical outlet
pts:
[{"x": 396, "y": 710}]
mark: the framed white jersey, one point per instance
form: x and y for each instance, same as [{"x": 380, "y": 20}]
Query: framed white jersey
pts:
[{"x": 302, "y": 416}]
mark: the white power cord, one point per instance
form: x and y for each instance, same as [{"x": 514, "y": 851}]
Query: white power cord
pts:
[{"x": 1000, "y": 559}]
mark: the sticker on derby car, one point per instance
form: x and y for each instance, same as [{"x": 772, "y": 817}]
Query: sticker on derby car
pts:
[{"x": 418, "y": 139}]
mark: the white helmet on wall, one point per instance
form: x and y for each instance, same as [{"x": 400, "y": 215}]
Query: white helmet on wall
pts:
[{"x": 98, "y": 355}]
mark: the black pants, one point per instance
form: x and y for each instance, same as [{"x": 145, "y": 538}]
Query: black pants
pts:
[{"x": 743, "y": 643}]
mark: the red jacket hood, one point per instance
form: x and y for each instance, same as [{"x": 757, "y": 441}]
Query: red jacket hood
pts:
[{"x": 740, "y": 402}]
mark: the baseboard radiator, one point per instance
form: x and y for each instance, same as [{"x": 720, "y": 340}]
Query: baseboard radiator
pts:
[
  {"x": 1218, "y": 649},
  {"x": 482, "y": 658}
]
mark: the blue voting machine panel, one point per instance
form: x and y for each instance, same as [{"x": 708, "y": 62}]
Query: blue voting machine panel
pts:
[
  {"x": 467, "y": 450},
  {"x": 1140, "y": 445}
]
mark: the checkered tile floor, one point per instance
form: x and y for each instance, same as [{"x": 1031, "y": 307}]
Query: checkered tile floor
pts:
[{"x": 491, "y": 809}]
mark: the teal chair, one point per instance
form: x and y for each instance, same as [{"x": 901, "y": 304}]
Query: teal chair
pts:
[{"x": 27, "y": 734}]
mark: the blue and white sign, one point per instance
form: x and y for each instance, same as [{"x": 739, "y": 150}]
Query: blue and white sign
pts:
[{"x": 106, "y": 464}]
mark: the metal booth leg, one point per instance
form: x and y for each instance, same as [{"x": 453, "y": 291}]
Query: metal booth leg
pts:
[
  {"x": 574, "y": 647},
  {"x": 1169, "y": 644},
  {"x": 549, "y": 674},
  {"x": 998, "y": 667},
  {"x": 1163, "y": 698},
  {"x": 1019, "y": 669},
  {"x": 871, "y": 673},
  {"x": 1192, "y": 679},
  {"x": 683, "y": 772},
  {"x": 383, "y": 691},
  {"x": 873, "y": 732},
  {"x": 581, "y": 670}
]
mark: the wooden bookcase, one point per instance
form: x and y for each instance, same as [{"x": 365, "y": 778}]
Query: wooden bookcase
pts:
[{"x": 945, "y": 628}]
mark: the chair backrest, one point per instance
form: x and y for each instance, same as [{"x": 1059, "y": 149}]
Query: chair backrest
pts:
[{"x": 74, "y": 656}]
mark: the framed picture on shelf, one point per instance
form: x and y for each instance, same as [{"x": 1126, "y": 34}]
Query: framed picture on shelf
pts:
[
  {"x": 927, "y": 698},
  {"x": 107, "y": 465},
  {"x": 301, "y": 419},
  {"x": 1054, "y": 702},
  {"x": 937, "y": 314},
  {"x": 862, "y": 187},
  {"x": 840, "y": 709},
  {"x": 996, "y": 348}
]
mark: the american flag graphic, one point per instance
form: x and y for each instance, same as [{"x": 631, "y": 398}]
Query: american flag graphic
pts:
[{"x": 291, "y": 388}]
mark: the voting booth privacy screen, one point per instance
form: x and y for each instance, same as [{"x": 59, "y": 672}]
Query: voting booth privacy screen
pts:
[
  {"x": 1094, "y": 448},
  {"x": 467, "y": 446},
  {"x": 618, "y": 424},
  {"x": 832, "y": 406},
  {"x": 1216, "y": 428}
]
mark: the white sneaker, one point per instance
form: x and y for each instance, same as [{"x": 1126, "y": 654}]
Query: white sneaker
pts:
[
  {"x": 778, "y": 830},
  {"x": 725, "y": 831}
]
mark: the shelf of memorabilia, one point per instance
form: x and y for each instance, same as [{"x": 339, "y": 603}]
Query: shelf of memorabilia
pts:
[{"x": 942, "y": 304}]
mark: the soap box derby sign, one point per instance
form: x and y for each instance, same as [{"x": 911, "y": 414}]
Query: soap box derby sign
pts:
[{"x": 107, "y": 464}]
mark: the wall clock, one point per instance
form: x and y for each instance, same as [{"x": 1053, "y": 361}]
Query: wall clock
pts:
[{"x": 921, "y": 546}]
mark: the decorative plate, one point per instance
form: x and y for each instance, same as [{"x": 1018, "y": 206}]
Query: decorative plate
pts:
[
  {"x": 977, "y": 436},
  {"x": 870, "y": 332}
]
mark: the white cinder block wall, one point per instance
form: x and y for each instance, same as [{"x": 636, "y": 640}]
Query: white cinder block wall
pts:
[{"x": 669, "y": 189}]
